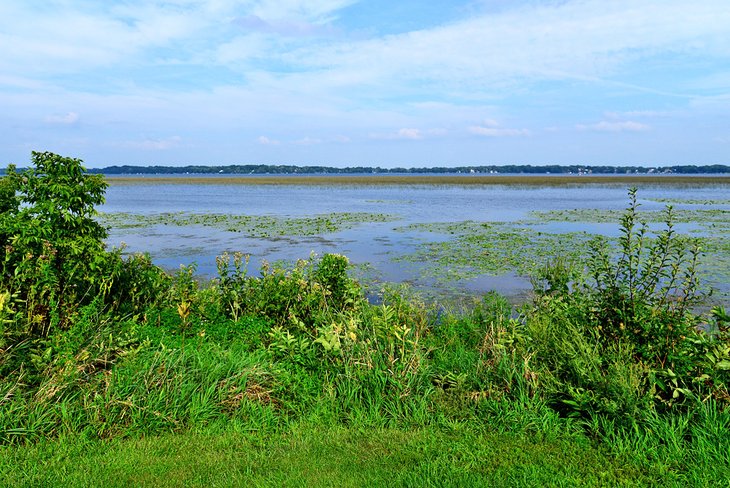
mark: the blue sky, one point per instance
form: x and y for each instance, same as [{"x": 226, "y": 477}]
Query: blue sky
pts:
[{"x": 347, "y": 82}]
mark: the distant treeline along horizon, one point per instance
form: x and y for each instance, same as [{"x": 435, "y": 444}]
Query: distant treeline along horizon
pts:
[{"x": 491, "y": 169}]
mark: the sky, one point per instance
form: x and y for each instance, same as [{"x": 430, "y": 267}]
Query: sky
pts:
[{"x": 371, "y": 82}]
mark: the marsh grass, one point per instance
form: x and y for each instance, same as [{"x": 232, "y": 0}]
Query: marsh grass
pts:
[{"x": 379, "y": 180}]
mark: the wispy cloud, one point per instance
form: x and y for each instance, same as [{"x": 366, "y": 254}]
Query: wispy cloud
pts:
[
  {"x": 156, "y": 144},
  {"x": 266, "y": 141},
  {"x": 614, "y": 126},
  {"x": 307, "y": 141},
  {"x": 410, "y": 134},
  {"x": 558, "y": 41},
  {"x": 69, "y": 118},
  {"x": 405, "y": 133},
  {"x": 491, "y": 128},
  {"x": 316, "y": 11},
  {"x": 640, "y": 114},
  {"x": 286, "y": 28}
]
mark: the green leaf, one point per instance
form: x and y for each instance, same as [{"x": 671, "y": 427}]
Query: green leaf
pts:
[{"x": 723, "y": 365}]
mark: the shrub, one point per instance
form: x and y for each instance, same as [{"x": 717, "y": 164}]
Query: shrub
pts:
[
  {"x": 298, "y": 298},
  {"x": 623, "y": 331},
  {"x": 53, "y": 250}
]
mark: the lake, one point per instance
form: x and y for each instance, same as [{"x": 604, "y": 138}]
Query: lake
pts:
[{"x": 443, "y": 239}]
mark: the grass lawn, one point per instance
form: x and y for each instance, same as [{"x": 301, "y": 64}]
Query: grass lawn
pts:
[{"x": 307, "y": 456}]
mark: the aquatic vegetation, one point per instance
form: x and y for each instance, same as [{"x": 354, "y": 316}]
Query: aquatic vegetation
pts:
[
  {"x": 472, "y": 249},
  {"x": 260, "y": 226},
  {"x": 692, "y": 201},
  {"x": 703, "y": 216},
  {"x": 390, "y": 202},
  {"x": 478, "y": 248}
]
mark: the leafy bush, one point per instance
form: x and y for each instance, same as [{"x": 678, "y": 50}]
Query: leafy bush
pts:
[
  {"x": 53, "y": 250},
  {"x": 625, "y": 332},
  {"x": 299, "y": 298},
  {"x": 54, "y": 268}
]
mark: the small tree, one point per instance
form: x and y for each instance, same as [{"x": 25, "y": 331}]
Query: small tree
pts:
[{"x": 53, "y": 248}]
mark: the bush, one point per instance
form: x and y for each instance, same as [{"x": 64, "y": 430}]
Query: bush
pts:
[
  {"x": 301, "y": 298},
  {"x": 625, "y": 331},
  {"x": 54, "y": 267},
  {"x": 53, "y": 250}
]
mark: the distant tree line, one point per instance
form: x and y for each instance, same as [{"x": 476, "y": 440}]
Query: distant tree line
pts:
[
  {"x": 254, "y": 169},
  {"x": 511, "y": 168}
]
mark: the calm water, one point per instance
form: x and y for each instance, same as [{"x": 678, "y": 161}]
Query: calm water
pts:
[{"x": 373, "y": 243}]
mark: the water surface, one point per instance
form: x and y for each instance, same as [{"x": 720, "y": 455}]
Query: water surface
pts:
[{"x": 375, "y": 244}]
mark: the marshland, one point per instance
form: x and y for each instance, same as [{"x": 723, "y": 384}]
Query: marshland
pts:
[{"x": 407, "y": 334}]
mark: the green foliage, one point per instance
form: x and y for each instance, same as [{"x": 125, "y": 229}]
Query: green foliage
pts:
[
  {"x": 133, "y": 284},
  {"x": 53, "y": 250},
  {"x": 645, "y": 298},
  {"x": 624, "y": 336},
  {"x": 300, "y": 298},
  {"x": 232, "y": 283},
  {"x": 651, "y": 276},
  {"x": 555, "y": 277},
  {"x": 54, "y": 267},
  {"x": 580, "y": 372}
]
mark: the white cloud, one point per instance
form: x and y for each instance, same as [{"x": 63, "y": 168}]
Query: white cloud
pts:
[
  {"x": 405, "y": 133},
  {"x": 265, "y": 141},
  {"x": 614, "y": 126},
  {"x": 580, "y": 40},
  {"x": 640, "y": 114},
  {"x": 155, "y": 144},
  {"x": 307, "y": 141},
  {"x": 68, "y": 119},
  {"x": 316, "y": 11},
  {"x": 285, "y": 28},
  {"x": 492, "y": 128}
]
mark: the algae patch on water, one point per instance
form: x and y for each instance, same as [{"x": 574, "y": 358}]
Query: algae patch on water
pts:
[
  {"x": 692, "y": 201},
  {"x": 590, "y": 215},
  {"x": 482, "y": 248},
  {"x": 258, "y": 226}
]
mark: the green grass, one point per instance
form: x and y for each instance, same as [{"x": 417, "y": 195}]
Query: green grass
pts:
[{"x": 316, "y": 455}]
